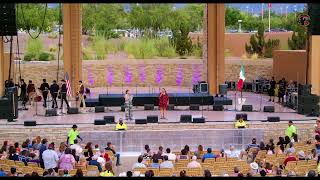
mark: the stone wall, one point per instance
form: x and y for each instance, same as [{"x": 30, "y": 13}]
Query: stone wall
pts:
[
  {"x": 132, "y": 72},
  {"x": 59, "y": 134}
]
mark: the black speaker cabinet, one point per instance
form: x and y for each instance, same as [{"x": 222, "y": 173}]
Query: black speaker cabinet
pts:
[
  {"x": 268, "y": 109},
  {"x": 109, "y": 119},
  {"x": 99, "y": 122},
  {"x": 217, "y": 107},
  {"x": 310, "y": 99},
  {"x": 243, "y": 115},
  {"x": 223, "y": 89},
  {"x": 141, "y": 121},
  {"x": 149, "y": 107},
  {"x": 73, "y": 110},
  {"x": 203, "y": 87},
  {"x": 198, "y": 120},
  {"x": 304, "y": 89},
  {"x": 247, "y": 108},
  {"x": 186, "y": 118},
  {"x": 170, "y": 107},
  {"x": 29, "y": 123},
  {"x": 314, "y": 13},
  {"x": 308, "y": 109},
  {"x": 51, "y": 112},
  {"x": 152, "y": 119},
  {"x": 122, "y": 108},
  {"x": 8, "y": 25},
  {"x": 194, "y": 107},
  {"x": 99, "y": 109},
  {"x": 273, "y": 119}
]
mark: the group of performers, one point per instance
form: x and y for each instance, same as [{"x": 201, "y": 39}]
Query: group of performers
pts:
[
  {"x": 281, "y": 89},
  {"x": 163, "y": 104}
]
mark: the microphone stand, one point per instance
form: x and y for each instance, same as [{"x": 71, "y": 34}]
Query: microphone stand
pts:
[
  {"x": 189, "y": 101},
  {"x": 235, "y": 101},
  {"x": 202, "y": 105}
]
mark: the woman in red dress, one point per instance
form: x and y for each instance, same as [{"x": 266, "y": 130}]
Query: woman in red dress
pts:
[{"x": 163, "y": 102}]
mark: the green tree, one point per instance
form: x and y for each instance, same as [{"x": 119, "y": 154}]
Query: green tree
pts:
[
  {"x": 232, "y": 15},
  {"x": 298, "y": 39}
]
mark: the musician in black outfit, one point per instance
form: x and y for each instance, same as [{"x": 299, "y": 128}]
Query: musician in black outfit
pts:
[
  {"x": 282, "y": 89},
  {"x": 44, "y": 89},
  {"x": 54, "y": 88},
  {"x": 272, "y": 88},
  {"x": 23, "y": 93},
  {"x": 63, "y": 92}
]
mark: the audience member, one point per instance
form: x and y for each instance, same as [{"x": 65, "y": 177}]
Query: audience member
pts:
[
  {"x": 149, "y": 173},
  {"x": 183, "y": 173},
  {"x": 166, "y": 163},
  {"x": 139, "y": 164},
  {"x": 2, "y": 172},
  {"x": 290, "y": 157},
  {"x": 78, "y": 149},
  {"x": 79, "y": 173},
  {"x": 129, "y": 173},
  {"x": 110, "y": 147},
  {"x": 42, "y": 148},
  {"x": 13, "y": 171},
  {"x": 155, "y": 162},
  {"x": 184, "y": 154},
  {"x": 67, "y": 161},
  {"x": 170, "y": 155},
  {"x": 147, "y": 154},
  {"x": 194, "y": 163},
  {"x": 311, "y": 173},
  {"x": 89, "y": 152},
  {"x": 50, "y": 158},
  {"x": 207, "y": 173},
  {"x": 232, "y": 153},
  {"x": 209, "y": 154},
  {"x": 109, "y": 172},
  {"x": 199, "y": 153},
  {"x": 94, "y": 162}
]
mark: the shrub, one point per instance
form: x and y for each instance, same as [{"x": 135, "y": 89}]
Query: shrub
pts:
[
  {"x": 164, "y": 48},
  {"x": 254, "y": 56},
  {"x": 141, "y": 48},
  {"x": 298, "y": 40},
  {"x": 182, "y": 41},
  {"x": 87, "y": 54},
  {"x": 52, "y": 56},
  {"x": 270, "y": 46},
  {"x": 34, "y": 47},
  {"x": 53, "y": 48},
  {"x": 44, "y": 56},
  {"x": 28, "y": 57},
  {"x": 99, "y": 47},
  {"x": 197, "y": 51}
]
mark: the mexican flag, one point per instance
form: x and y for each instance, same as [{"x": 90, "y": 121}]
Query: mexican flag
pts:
[{"x": 242, "y": 78}]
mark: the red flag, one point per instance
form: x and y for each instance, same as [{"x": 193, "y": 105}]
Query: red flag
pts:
[{"x": 269, "y": 5}]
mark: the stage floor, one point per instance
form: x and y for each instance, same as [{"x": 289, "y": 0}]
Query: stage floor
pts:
[{"x": 228, "y": 115}]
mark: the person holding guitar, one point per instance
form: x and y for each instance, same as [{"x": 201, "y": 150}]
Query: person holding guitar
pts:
[{"x": 45, "y": 90}]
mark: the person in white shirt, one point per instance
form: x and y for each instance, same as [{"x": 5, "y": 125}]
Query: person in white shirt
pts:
[
  {"x": 76, "y": 147},
  {"x": 170, "y": 155},
  {"x": 50, "y": 158},
  {"x": 232, "y": 152},
  {"x": 139, "y": 164},
  {"x": 194, "y": 163},
  {"x": 166, "y": 163}
]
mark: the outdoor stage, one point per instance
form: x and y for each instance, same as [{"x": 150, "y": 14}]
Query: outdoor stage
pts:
[{"x": 258, "y": 101}]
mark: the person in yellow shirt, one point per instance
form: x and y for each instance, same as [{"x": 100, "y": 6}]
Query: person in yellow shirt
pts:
[
  {"x": 121, "y": 125},
  {"x": 240, "y": 123},
  {"x": 109, "y": 172},
  {"x": 73, "y": 135}
]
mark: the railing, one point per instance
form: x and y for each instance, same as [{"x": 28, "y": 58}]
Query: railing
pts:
[{"x": 134, "y": 141}]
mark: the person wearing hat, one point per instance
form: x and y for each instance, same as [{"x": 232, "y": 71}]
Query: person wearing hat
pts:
[
  {"x": 73, "y": 135},
  {"x": 121, "y": 125},
  {"x": 54, "y": 88},
  {"x": 50, "y": 157},
  {"x": 44, "y": 89},
  {"x": 291, "y": 130},
  {"x": 301, "y": 155},
  {"x": 254, "y": 168}
]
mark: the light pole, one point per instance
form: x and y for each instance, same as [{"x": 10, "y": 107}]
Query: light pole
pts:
[{"x": 239, "y": 21}]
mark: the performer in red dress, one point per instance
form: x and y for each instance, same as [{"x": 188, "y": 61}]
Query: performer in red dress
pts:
[{"x": 163, "y": 102}]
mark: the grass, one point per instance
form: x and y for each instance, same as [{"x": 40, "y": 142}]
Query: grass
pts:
[{"x": 34, "y": 47}]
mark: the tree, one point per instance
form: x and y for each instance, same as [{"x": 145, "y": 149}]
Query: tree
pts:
[
  {"x": 232, "y": 16},
  {"x": 298, "y": 39}
]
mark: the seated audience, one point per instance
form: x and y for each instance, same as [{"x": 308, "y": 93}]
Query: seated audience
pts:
[
  {"x": 199, "y": 153},
  {"x": 109, "y": 172},
  {"x": 89, "y": 151},
  {"x": 147, "y": 154},
  {"x": 78, "y": 149},
  {"x": 290, "y": 157},
  {"x": 139, "y": 164},
  {"x": 50, "y": 157},
  {"x": 170, "y": 155},
  {"x": 209, "y": 154},
  {"x": 232, "y": 152},
  {"x": 149, "y": 173},
  {"x": 184, "y": 154},
  {"x": 94, "y": 162},
  {"x": 111, "y": 147},
  {"x": 79, "y": 173},
  {"x": 155, "y": 162},
  {"x": 67, "y": 161},
  {"x": 236, "y": 171},
  {"x": 207, "y": 173}
]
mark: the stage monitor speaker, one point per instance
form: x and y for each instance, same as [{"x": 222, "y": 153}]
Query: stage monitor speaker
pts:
[
  {"x": 243, "y": 115},
  {"x": 123, "y": 108},
  {"x": 307, "y": 109},
  {"x": 223, "y": 89},
  {"x": 314, "y": 13},
  {"x": 194, "y": 107},
  {"x": 310, "y": 99},
  {"x": 198, "y": 120},
  {"x": 8, "y": 25},
  {"x": 170, "y": 107},
  {"x": 217, "y": 107},
  {"x": 51, "y": 112},
  {"x": 109, "y": 119},
  {"x": 274, "y": 119},
  {"x": 99, "y": 109},
  {"x": 203, "y": 87},
  {"x": 186, "y": 118},
  {"x": 247, "y": 108},
  {"x": 73, "y": 110},
  {"x": 304, "y": 89},
  {"x": 268, "y": 109},
  {"x": 152, "y": 119},
  {"x": 29, "y": 123},
  {"x": 149, "y": 107},
  {"x": 99, "y": 122},
  {"x": 141, "y": 121}
]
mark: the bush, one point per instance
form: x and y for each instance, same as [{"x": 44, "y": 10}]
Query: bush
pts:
[
  {"x": 87, "y": 54},
  {"x": 28, "y": 57},
  {"x": 141, "y": 48},
  {"x": 52, "y": 56},
  {"x": 34, "y": 47},
  {"x": 270, "y": 46},
  {"x": 44, "y": 56},
  {"x": 254, "y": 56},
  {"x": 298, "y": 40},
  {"x": 99, "y": 47},
  {"x": 164, "y": 48}
]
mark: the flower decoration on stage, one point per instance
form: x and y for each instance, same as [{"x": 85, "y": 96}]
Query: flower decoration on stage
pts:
[
  {"x": 127, "y": 74},
  {"x": 142, "y": 73},
  {"x": 90, "y": 77},
  {"x": 159, "y": 74},
  {"x": 109, "y": 75},
  {"x": 179, "y": 76},
  {"x": 196, "y": 73}
]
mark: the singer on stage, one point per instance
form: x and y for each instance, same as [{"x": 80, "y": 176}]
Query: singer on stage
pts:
[
  {"x": 128, "y": 105},
  {"x": 163, "y": 103},
  {"x": 44, "y": 89}
]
